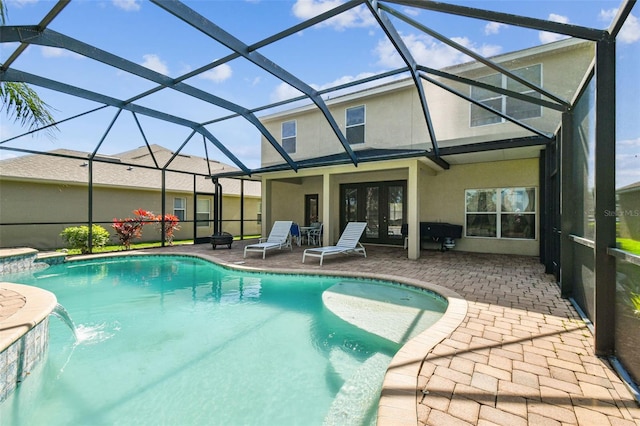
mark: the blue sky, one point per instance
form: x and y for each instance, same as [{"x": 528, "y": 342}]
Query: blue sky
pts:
[{"x": 349, "y": 47}]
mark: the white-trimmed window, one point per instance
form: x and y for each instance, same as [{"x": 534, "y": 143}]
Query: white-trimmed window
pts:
[
  {"x": 510, "y": 106},
  {"x": 289, "y": 133},
  {"x": 180, "y": 208},
  {"x": 355, "y": 119},
  {"x": 501, "y": 213},
  {"x": 203, "y": 213},
  {"x": 259, "y": 213}
]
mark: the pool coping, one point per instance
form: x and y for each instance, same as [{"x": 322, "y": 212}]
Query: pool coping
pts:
[{"x": 32, "y": 306}]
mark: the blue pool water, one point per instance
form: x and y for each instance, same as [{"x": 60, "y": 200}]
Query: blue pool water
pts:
[{"x": 181, "y": 341}]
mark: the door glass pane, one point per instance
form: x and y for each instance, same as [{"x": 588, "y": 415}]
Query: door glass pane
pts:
[
  {"x": 395, "y": 211},
  {"x": 204, "y": 212},
  {"x": 372, "y": 212},
  {"x": 350, "y": 205},
  {"x": 311, "y": 209}
]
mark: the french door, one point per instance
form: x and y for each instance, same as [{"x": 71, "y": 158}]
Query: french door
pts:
[{"x": 382, "y": 205}]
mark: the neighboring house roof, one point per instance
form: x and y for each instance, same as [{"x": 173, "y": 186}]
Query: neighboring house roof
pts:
[
  {"x": 629, "y": 188},
  {"x": 129, "y": 169}
]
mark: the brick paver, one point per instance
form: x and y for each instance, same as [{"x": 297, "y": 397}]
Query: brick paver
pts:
[{"x": 522, "y": 355}]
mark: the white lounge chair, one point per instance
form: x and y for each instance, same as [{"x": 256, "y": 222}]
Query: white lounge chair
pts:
[
  {"x": 279, "y": 238},
  {"x": 349, "y": 243}
]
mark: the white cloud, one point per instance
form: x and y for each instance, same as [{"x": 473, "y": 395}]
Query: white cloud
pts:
[
  {"x": 21, "y": 3},
  {"x": 429, "y": 52},
  {"x": 630, "y": 32},
  {"x": 128, "y": 5},
  {"x": 411, "y": 11},
  {"x": 486, "y": 50},
  {"x": 218, "y": 74},
  {"x": 547, "y": 37},
  {"x": 56, "y": 52},
  {"x": 154, "y": 63},
  {"x": 283, "y": 92},
  {"x": 633, "y": 143},
  {"x": 493, "y": 28},
  {"x": 355, "y": 17}
]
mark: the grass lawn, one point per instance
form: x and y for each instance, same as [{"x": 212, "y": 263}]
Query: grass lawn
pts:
[{"x": 632, "y": 246}]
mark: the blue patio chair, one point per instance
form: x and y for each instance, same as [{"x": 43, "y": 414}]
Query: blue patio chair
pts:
[{"x": 295, "y": 233}]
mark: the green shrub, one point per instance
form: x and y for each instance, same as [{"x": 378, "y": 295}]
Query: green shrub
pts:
[{"x": 77, "y": 237}]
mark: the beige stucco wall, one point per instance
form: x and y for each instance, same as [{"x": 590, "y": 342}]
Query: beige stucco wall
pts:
[
  {"x": 562, "y": 72},
  {"x": 395, "y": 118},
  {"x": 27, "y": 201},
  {"x": 629, "y": 214},
  {"x": 231, "y": 215},
  {"x": 442, "y": 194}
]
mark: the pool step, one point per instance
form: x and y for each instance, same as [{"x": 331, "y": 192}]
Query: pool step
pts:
[
  {"x": 394, "y": 313},
  {"x": 343, "y": 364},
  {"x": 357, "y": 401}
]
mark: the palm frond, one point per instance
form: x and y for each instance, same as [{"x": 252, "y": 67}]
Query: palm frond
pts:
[{"x": 22, "y": 104}]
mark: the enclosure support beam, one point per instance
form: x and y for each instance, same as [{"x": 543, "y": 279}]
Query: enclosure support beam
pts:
[
  {"x": 605, "y": 197},
  {"x": 567, "y": 205}
]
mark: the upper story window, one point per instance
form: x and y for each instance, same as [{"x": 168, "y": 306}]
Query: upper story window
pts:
[
  {"x": 355, "y": 124},
  {"x": 512, "y": 107},
  {"x": 289, "y": 131}
]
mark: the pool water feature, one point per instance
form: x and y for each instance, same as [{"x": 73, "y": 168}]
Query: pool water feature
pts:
[
  {"x": 179, "y": 340},
  {"x": 60, "y": 312}
]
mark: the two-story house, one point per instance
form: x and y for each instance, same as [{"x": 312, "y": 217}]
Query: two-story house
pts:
[{"x": 453, "y": 161}]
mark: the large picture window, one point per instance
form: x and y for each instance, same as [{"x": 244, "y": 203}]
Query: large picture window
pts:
[
  {"x": 512, "y": 107},
  {"x": 355, "y": 124},
  {"x": 501, "y": 213},
  {"x": 289, "y": 133}
]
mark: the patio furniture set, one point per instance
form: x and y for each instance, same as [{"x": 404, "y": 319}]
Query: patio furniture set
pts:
[{"x": 281, "y": 235}]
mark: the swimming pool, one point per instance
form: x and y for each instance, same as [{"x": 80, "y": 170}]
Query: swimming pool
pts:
[{"x": 179, "y": 340}]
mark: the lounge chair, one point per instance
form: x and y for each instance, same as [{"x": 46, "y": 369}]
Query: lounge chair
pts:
[
  {"x": 349, "y": 243},
  {"x": 279, "y": 238}
]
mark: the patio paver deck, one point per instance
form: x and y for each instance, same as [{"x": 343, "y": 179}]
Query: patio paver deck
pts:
[{"x": 521, "y": 355}]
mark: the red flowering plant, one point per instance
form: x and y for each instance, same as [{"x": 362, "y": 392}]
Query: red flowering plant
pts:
[
  {"x": 171, "y": 224},
  {"x": 130, "y": 228}
]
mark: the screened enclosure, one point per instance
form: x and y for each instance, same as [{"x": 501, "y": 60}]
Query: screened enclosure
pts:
[{"x": 126, "y": 81}]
